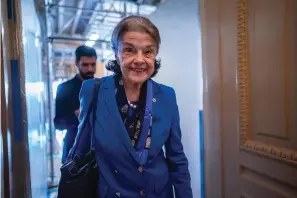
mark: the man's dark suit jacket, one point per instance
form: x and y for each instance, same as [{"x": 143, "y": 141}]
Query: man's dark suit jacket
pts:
[{"x": 67, "y": 102}]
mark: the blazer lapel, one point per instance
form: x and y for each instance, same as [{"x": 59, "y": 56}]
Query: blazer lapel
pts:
[
  {"x": 108, "y": 97},
  {"x": 109, "y": 100},
  {"x": 158, "y": 124}
]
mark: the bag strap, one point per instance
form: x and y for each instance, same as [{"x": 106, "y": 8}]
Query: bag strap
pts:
[{"x": 94, "y": 108}]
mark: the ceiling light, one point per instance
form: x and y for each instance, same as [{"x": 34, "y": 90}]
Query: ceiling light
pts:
[
  {"x": 147, "y": 9},
  {"x": 93, "y": 37},
  {"x": 90, "y": 43},
  {"x": 92, "y": 40}
]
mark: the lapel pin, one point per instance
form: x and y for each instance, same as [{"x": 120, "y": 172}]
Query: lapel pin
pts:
[{"x": 154, "y": 100}]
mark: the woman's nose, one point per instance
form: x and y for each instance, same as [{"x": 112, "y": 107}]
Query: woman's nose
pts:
[{"x": 139, "y": 58}]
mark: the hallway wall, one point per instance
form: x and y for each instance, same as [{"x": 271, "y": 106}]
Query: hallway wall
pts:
[
  {"x": 31, "y": 42},
  {"x": 178, "y": 22}
]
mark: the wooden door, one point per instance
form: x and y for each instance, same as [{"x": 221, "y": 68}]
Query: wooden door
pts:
[{"x": 250, "y": 98}]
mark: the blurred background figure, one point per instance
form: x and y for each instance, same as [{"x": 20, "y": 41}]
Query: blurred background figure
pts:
[{"x": 67, "y": 102}]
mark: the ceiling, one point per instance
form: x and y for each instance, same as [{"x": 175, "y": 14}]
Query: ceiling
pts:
[{"x": 91, "y": 21}]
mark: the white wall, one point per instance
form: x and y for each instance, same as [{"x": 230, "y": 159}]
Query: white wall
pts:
[
  {"x": 178, "y": 22},
  {"x": 35, "y": 90}
]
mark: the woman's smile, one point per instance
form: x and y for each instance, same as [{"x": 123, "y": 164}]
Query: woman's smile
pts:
[{"x": 138, "y": 70}]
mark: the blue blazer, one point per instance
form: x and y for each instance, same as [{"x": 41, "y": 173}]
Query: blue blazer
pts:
[{"x": 121, "y": 174}]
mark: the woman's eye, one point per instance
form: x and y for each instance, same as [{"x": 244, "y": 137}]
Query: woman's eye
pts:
[
  {"x": 149, "y": 52},
  {"x": 128, "y": 50}
]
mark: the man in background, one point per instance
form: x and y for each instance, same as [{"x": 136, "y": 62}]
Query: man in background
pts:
[{"x": 67, "y": 98}]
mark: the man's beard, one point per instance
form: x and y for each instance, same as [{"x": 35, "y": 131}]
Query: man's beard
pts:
[{"x": 87, "y": 75}]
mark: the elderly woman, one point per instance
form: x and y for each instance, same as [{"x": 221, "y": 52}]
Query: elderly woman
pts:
[{"x": 135, "y": 118}]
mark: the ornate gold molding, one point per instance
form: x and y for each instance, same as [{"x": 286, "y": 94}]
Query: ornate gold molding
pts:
[
  {"x": 243, "y": 70},
  {"x": 271, "y": 151},
  {"x": 243, "y": 86}
]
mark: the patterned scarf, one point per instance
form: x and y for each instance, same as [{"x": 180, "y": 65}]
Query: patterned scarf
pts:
[{"x": 132, "y": 114}]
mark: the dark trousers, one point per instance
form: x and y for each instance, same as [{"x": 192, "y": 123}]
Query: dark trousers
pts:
[{"x": 68, "y": 142}]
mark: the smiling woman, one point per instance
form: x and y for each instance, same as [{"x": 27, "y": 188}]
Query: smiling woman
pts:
[
  {"x": 136, "y": 27},
  {"x": 135, "y": 42},
  {"x": 136, "y": 118}
]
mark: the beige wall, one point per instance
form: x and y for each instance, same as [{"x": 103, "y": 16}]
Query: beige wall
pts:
[
  {"x": 99, "y": 70},
  {"x": 68, "y": 69}
]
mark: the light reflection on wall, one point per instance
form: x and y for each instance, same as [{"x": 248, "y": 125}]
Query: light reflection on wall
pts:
[
  {"x": 36, "y": 139},
  {"x": 35, "y": 89},
  {"x": 60, "y": 137},
  {"x": 55, "y": 85},
  {"x": 35, "y": 98}
]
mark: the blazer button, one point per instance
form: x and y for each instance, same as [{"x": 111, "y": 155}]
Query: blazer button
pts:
[
  {"x": 140, "y": 169},
  {"x": 142, "y": 192}
]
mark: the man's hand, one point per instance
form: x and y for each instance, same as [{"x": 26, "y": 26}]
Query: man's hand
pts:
[{"x": 76, "y": 112}]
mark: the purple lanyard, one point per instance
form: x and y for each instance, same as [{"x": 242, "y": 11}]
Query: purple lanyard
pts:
[{"x": 141, "y": 152}]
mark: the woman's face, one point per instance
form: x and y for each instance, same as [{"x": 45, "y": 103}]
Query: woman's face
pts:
[{"x": 136, "y": 56}]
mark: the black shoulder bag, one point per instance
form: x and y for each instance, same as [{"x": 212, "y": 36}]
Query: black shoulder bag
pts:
[{"x": 79, "y": 176}]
